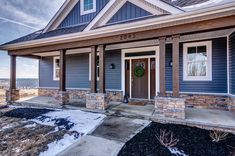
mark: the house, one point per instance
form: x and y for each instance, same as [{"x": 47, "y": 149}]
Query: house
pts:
[{"x": 175, "y": 52}]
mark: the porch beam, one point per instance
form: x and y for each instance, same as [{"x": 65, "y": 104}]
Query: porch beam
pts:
[
  {"x": 162, "y": 65},
  {"x": 101, "y": 68},
  {"x": 12, "y": 72},
  {"x": 175, "y": 68},
  {"x": 94, "y": 69},
  {"x": 136, "y": 35},
  {"x": 62, "y": 70}
]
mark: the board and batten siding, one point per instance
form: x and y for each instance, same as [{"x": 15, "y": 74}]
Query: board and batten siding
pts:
[
  {"x": 128, "y": 11},
  {"x": 77, "y": 71},
  {"x": 75, "y": 17},
  {"x": 219, "y": 70},
  {"x": 232, "y": 63}
]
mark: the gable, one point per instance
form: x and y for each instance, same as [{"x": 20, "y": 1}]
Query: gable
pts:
[
  {"x": 75, "y": 17},
  {"x": 127, "y": 12}
]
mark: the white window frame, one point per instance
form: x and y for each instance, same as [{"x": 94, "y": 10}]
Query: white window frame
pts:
[
  {"x": 90, "y": 67},
  {"x": 208, "y": 76},
  {"x": 54, "y": 69},
  {"x": 84, "y": 12}
]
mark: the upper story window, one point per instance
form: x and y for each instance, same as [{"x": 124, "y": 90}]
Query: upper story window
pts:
[
  {"x": 88, "y": 6},
  {"x": 56, "y": 68},
  {"x": 197, "y": 61}
]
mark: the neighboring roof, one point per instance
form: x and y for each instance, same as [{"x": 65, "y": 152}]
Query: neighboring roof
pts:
[
  {"x": 184, "y": 3},
  {"x": 57, "y": 32}
]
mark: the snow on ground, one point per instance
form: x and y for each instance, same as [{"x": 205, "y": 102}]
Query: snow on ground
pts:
[
  {"x": 176, "y": 151},
  {"x": 74, "y": 121}
]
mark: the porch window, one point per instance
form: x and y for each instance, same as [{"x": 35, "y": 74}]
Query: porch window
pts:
[
  {"x": 197, "y": 61},
  {"x": 98, "y": 67},
  {"x": 56, "y": 68},
  {"x": 88, "y": 6}
]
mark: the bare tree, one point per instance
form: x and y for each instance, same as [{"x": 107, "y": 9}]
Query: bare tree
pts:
[
  {"x": 166, "y": 138},
  {"x": 218, "y": 135}
]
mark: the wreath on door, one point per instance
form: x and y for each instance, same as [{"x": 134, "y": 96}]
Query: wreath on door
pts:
[{"x": 139, "y": 71}]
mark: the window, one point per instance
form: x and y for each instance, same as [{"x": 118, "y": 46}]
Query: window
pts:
[
  {"x": 56, "y": 68},
  {"x": 198, "y": 61},
  {"x": 98, "y": 67},
  {"x": 88, "y": 6}
]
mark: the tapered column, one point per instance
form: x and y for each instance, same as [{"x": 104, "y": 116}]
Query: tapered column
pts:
[
  {"x": 13, "y": 72},
  {"x": 175, "y": 78},
  {"x": 62, "y": 70},
  {"x": 102, "y": 69},
  {"x": 94, "y": 69},
  {"x": 162, "y": 65}
]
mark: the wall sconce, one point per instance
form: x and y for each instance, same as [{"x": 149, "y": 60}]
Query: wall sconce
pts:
[
  {"x": 112, "y": 66},
  {"x": 170, "y": 63}
]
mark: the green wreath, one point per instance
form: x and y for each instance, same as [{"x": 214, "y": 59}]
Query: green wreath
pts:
[{"x": 139, "y": 71}]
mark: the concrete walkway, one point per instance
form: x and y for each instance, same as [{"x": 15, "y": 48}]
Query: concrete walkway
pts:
[{"x": 108, "y": 138}]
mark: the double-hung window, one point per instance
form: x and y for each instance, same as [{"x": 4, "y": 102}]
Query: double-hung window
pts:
[
  {"x": 197, "y": 64},
  {"x": 56, "y": 68},
  {"x": 88, "y": 6}
]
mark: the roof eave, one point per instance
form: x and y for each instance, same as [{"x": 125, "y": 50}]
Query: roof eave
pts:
[{"x": 105, "y": 31}]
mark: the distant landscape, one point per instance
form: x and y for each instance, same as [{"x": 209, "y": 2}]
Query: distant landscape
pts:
[{"x": 20, "y": 83}]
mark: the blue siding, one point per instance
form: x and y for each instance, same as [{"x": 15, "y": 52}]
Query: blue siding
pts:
[
  {"x": 232, "y": 62},
  {"x": 219, "y": 71},
  {"x": 128, "y": 11},
  {"x": 168, "y": 67},
  {"x": 78, "y": 71},
  {"x": 75, "y": 18}
]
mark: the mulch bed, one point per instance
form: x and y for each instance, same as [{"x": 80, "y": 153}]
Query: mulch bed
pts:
[
  {"x": 193, "y": 141},
  {"x": 27, "y": 113}
]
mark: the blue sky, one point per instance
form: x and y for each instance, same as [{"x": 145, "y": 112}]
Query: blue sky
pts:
[{"x": 19, "y": 18}]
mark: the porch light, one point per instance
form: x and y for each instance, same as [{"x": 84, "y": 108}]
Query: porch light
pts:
[{"x": 112, "y": 66}]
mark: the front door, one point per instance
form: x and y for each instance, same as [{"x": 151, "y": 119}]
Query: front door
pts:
[{"x": 139, "y": 78}]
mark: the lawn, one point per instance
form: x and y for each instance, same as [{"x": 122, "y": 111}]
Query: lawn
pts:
[{"x": 44, "y": 132}]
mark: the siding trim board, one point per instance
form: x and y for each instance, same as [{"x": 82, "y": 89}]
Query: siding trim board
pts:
[{"x": 232, "y": 63}]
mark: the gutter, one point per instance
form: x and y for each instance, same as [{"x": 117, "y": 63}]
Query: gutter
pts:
[{"x": 149, "y": 24}]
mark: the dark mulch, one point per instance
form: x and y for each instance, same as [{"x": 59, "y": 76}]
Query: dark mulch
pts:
[
  {"x": 26, "y": 113},
  {"x": 193, "y": 141}
]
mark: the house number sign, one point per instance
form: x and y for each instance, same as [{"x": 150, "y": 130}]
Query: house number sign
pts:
[{"x": 127, "y": 36}]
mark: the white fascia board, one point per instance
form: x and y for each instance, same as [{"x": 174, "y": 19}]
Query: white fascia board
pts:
[
  {"x": 131, "y": 27},
  {"x": 101, "y": 14},
  {"x": 165, "y": 6},
  {"x": 60, "y": 13}
]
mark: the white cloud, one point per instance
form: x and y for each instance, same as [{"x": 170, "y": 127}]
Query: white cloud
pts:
[{"x": 19, "y": 23}]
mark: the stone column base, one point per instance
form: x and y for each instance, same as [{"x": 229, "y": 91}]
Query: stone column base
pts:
[
  {"x": 231, "y": 106},
  {"x": 170, "y": 107},
  {"x": 96, "y": 101},
  {"x": 12, "y": 95},
  {"x": 62, "y": 97}
]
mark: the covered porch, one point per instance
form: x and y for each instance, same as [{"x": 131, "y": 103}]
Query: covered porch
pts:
[{"x": 168, "y": 105}]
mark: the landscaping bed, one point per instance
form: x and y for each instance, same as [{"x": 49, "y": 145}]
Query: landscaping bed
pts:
[
  {"x": 32, "y": 132},
  {"x": 188, "y": 142}
]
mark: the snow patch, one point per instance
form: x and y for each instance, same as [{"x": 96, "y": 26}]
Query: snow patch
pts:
[
  {"x": 176, "y": 151},
  {"x": 74, "y": 121},
  {"x": 31, "y": 125}
]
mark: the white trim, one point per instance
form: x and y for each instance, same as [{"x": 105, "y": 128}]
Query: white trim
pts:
[
  {"x": 136, "y": 50},
  {"x": 147, "y": 24},
  {"x": 208, "y": 76},
  {"x": 84, "y": 12},
  {"x": 54, "y": 68},
  {"x": 60, "y": 15},
  {"x": 228, "y": 66}
]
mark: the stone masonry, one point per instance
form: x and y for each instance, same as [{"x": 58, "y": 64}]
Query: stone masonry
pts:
[
  {"x": 62, "y": 97},
  {"x": 96, "y": 101},
  {"x": 12, "y": 95},
  {"x": 170, "y": 107},
  {"x": 231, "y": 106},
  {"x": 74, "y": 94}
]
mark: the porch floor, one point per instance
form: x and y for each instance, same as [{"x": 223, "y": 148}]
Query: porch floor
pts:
[{"x": 203, "y": 118}]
